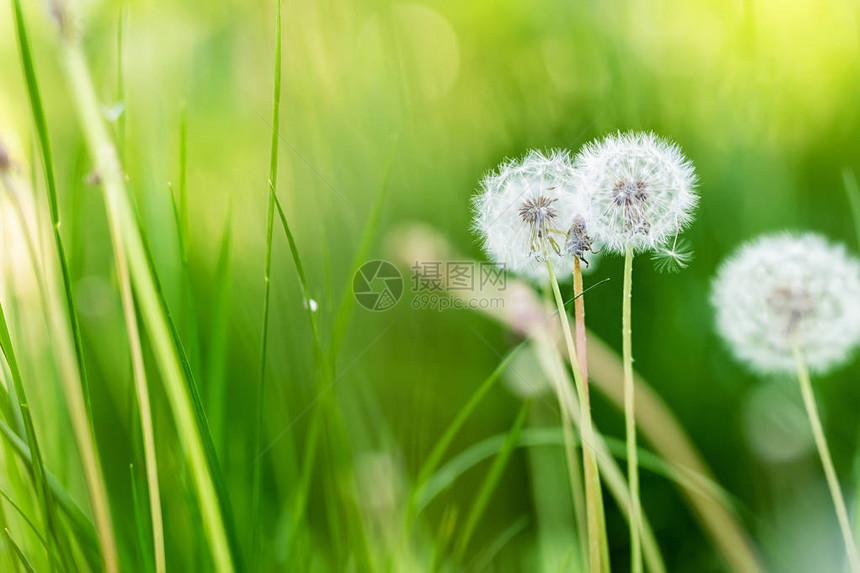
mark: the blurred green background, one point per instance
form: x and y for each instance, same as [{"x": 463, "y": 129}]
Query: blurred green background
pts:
[{"x": 761, "y": 95}]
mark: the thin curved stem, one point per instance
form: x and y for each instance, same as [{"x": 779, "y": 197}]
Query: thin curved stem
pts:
[
  {"x": 142, "y": 390},
  {"x": 630, "y": 416},
  {"x": 826, "y": 461},
  {"x": 592, "y": 476},
  {"x": 582, "y": 356}
]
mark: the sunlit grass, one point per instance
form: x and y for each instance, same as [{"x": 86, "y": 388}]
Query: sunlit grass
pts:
[{"x": 188, "y": 382}]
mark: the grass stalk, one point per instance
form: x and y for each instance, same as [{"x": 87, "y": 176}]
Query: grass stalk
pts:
[
  {"x": 49, "y": 512},
  {"x": 83, "y": 529},
  {"x": 140, "y": 524},
  {"x": 491, "y": 481},
  {"x": 142, "y": 391},
  {"x": 592, "y": 476},
  {"x": 179, "y": 203},
  {"x": 38, "y": 111},
  {"x": 438, "y": 452},
  {"x": 826, "y": 461},
  {"x": 630, "y": 415},
  {"x": 19, "y": 553},
  {"x": 216, "y": 387},
  {"x": 120, "y": 209},
  {"x": 73, "y": 371},
  {"x": 270, "y": 219}
]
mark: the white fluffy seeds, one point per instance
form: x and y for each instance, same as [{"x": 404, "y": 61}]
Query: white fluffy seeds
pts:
[
  {"x": 642, "y": 190},
  {"x": 782, "y": 290},
  {"x": 529, "y": 210}
]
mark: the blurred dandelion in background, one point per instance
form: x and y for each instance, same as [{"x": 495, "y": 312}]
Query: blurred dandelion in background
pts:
[{"x": 786, "y": 290}]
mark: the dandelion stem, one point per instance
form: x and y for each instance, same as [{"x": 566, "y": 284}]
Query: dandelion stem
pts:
[
  {"x": 582, "y": 357},
  {"x": 826, "y": 461},
  {"x": 629, "y": 414},
  {"x": 592, "y": 476}
]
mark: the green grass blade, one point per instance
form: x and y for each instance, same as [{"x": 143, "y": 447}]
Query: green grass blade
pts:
[
  {"x": 140, "y": 523},
  {"x": 347, "y": 300},
  {"x": 120, "y": 80},
  {"x": 33, "y": 527},
  {"x": 485, "y": 558},
  {"x": 216, "y": 387},
  {"x": 853, "y": 192},
  {"x": 198, "y": 410},
  {"x": 491, "y": 481},
  {"x": 179, "y": 203},
  {"x": 49, "y": 512},
  {"x": 294, "y": 252},
  {"x": 77, "y": 391},
  {"x": 256, "y": 477},
  {"x": 85, "y": 533},
  {"x": 54, "y": 557},
  {"x": 435, "y": 457},
  {"x": 22, "y": 558},
  {"x": 538, "y": 437},
  {"x": 48, "y": 161}
]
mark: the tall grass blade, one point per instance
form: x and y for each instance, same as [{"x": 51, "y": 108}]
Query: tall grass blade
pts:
[
  {"x": 22, "y": 558},
  {"x": 79, "y": 405},
  {"x": 347, "y": 300},
  {"x": 853, "y": 192},
  {"x": 198, "y": 410},
  {"x": 491, "y": 481},
  {"x": 179, "y": 203},
  {"x": 48, "y": 162},
  {"x": 435, "y": 457},
  {"x": 49, "y": 512},
  {"x": 39, "y": 535},
  {"x": 256, "y": 476},
  {"x": 485, "y": 558},
  {"x": 216, "y": 386},
  {"x": 294, "y": 252},
  {"x": 84, "y": 532},
  {"x": 178, "y": 386},
  {"x": 120, "y": 80},
  {"x": 140, "y": 523}
]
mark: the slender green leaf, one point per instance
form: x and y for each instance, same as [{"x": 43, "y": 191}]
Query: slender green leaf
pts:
[
  {"x": 256, "y": 477},
  {"x": 22, "y": 558},
  {"x": 491, "y": 481},
  {"x": 485, "y": 558},
  {"x": 140, "y": 522},
  {"x": 85, "y": 533},
  {"x": 33, "y": 528},
  {"x": 435, "y": 457},
  {"x": 216, "y": 387},
  {"x": 198, "y": 410},
  {"x": 48, "y": 162},
  {"x": 853, "y": 192},
  {"x": 347, "y": 301},
  {"x": 49, "y": 512}
]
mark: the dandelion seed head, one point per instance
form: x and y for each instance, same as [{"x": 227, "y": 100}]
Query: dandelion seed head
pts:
[
  {"x": 781, "y": 290},
  {"x": 642, "y": 190},
  {"x": 673, "y": 257},
  {"x": 525, "y": 210},
  {"x": 578, "y": 242}
]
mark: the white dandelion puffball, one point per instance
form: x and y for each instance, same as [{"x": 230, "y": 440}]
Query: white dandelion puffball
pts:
[
  {"x": 783, "y": 290},
  {"x": 642, "y": 190},
  {"x": 531, "y": 210}
]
